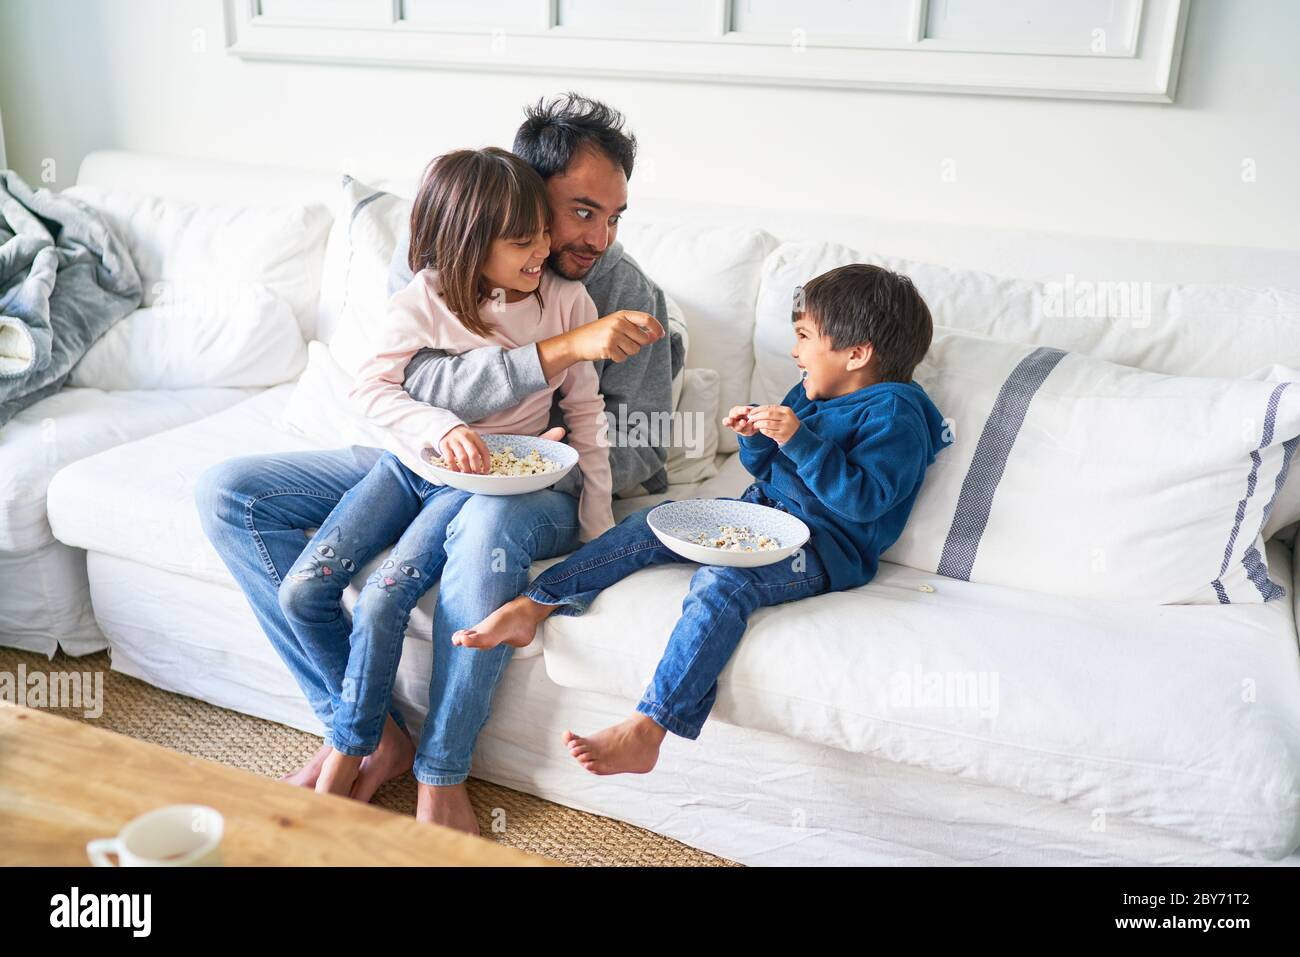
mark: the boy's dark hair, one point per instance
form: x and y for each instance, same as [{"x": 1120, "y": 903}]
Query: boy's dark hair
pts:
[
  {"x": 856, "y": 304},
  {"x": 556, "y": 129}
]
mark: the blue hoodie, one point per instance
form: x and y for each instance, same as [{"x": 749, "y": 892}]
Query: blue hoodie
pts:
[{"x": 851, "y": 471}]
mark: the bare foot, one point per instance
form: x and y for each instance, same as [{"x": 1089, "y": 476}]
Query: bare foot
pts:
[
  {"x": 629, "y": 747},
  {"x": 305, "y": 776},
  {"x": 514, "y": 623},
  {"x": 338, "y": 773},
  {"x": 448, "y": 806},
  {"x": 391, "y": 759}
]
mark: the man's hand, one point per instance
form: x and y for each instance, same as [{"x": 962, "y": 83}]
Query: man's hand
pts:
[
  {"x": 464, "y": 451},
  {"x": 738, "y": 420},
  {"x": 615, "y": 337},
  {"x": 777, "y": 422}
]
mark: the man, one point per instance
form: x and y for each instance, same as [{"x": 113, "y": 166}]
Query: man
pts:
[{"x": 256, "y": 509}]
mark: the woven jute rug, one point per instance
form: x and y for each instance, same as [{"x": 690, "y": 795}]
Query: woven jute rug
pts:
[{"x": 140, "y": 710}]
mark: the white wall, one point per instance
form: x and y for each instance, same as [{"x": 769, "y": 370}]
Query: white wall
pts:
[{"x": 76, "y": 75}]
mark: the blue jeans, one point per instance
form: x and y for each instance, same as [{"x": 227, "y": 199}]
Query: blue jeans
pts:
[
  {"x": 715, "y": 611},
  {"x": 255, "y": 510},
  {"x": 391, "y": 501}
]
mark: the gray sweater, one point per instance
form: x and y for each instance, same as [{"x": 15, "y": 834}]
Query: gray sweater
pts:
[{"x": 478, "y": 383}]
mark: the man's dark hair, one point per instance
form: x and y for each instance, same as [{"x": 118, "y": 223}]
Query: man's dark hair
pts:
[
  {"x": 554, "y": 130},
  {"x": 857, "y": 304}
]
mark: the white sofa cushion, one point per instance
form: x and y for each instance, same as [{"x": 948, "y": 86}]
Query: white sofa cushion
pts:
[
  {"x": 1077, "y": 476},
  {"x": 207, "y": 336},
  {"x": 178, "y": 245},
  {"x": 45, "y": 600},
  {"x": 73, "y": 424},
  {"x": 713, "y": 273},
  {"x": 1185, "y": 718},
  {"x": 136, "y": 500}
]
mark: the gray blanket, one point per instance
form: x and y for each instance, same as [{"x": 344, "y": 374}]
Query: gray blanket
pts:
[{"x": 65, "y": 278}]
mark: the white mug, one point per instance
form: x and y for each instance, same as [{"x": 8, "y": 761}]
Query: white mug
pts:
[{"x": 179, "y": 835}]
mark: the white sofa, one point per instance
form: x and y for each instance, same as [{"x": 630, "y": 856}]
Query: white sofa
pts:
[{"x": 1117, "y": 746}]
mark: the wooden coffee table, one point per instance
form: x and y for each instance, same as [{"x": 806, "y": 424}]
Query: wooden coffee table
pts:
[{"x": 63, "y": 783}]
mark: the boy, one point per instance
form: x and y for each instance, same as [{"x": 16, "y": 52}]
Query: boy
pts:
[{"x": 845, "y": 452}]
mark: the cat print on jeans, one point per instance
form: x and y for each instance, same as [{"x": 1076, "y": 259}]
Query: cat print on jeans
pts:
[
  {"x": 393, "y": 572},
  {"x": 318, "y": 567}
]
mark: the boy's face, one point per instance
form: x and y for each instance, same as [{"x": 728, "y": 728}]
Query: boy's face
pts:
[{"x": 827, "y": 372}]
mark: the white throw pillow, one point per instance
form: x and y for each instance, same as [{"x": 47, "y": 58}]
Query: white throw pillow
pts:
[
  {"x": 179, "y": 245},
  {"x": 1077, "y": 476},
  {"x": 1285, "y": 512},
  {"x": 367, "y": 223},
  {"x": 691, "y": 456},
  {"x": 713, "y": 273},
  {"x": 198, "y": 337}
]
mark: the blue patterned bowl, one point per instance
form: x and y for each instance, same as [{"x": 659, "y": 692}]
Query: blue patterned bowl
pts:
[
  {"x": 566, "y": 456},
  {"x": 676, "y": 523}
]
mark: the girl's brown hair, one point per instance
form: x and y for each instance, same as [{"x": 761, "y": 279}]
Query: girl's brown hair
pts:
[{"x": 469, "y": 198}]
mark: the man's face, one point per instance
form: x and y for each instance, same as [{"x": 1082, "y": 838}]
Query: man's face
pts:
[{"x": 587, "y": 199}]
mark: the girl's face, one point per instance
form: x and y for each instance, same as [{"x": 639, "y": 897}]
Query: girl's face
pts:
[{"x": 515, "y": 265}]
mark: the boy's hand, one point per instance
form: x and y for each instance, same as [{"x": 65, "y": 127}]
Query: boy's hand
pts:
[
  {"x": 777, "y": 422},
  {"x": 738, "y": 420},
  {"x": 464, "y": 451}
]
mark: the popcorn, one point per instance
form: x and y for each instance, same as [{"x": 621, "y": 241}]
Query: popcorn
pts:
[
  {"x": 505, "y": 462},
  {"x": 735, "y": 538}
]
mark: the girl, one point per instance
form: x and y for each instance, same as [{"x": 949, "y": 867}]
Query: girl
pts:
[{"x": 479, "y": 243}]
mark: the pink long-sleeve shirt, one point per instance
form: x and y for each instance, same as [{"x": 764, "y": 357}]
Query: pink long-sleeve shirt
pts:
[{"x": 417, "y": 317}]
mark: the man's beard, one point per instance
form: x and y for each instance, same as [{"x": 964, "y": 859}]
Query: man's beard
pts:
[{"x": 558, "y": 264}]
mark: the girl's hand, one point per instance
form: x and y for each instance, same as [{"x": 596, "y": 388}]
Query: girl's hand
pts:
[
  {"x": 738, "y": 420},
  {"x": 616, "y": 336},
  {"x": 464, "y": 451},
  {"x": 777, "y": 422}
]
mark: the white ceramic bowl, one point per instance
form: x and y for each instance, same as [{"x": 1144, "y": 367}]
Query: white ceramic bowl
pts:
[
  {"x": 565, "y": 455},
  {"x": 675, "y": 523}
]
